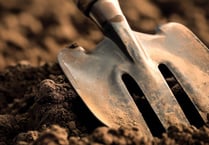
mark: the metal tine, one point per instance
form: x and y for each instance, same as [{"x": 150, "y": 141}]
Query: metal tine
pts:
[
  {"x": 186, "y": 57},
  {"x": 159, "y": 96}
]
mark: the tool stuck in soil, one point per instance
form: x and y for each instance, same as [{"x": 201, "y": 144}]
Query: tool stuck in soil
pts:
[{"x": 127, "y": 64}]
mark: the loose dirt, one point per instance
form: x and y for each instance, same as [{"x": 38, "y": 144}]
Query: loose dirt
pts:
[{"x": 39, "y": 106}]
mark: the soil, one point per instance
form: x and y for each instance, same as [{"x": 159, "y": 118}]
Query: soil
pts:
[{"x": 38, "y": 105}]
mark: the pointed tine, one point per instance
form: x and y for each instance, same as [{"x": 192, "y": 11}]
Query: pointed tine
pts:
[{"x": 98, "y": 82}]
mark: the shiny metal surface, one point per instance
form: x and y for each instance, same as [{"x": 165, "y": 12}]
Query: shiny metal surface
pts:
[{"x": 96, "y": 76}]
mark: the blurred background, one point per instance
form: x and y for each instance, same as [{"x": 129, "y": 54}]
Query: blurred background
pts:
[{"x": 34, "y": 31}]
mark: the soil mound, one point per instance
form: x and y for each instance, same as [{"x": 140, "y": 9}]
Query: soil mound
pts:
[{"x": 39, "y": 106}]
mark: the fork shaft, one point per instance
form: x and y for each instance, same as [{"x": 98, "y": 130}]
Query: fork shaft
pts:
[{"x": 111, "y": 20}]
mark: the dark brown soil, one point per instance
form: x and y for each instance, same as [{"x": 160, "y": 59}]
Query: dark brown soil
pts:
[{"x": 37, "y": 103}]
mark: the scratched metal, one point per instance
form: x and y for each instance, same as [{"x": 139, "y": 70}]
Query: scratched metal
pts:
[{"x": 97, "y": 75}]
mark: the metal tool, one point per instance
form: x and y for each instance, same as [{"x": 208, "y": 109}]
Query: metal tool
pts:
[{"x": 105, "y": 77}]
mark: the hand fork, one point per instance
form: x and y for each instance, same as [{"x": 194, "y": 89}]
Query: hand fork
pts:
[{"x": 127, "y": 63}]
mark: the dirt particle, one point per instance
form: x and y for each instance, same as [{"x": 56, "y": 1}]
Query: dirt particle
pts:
[{"x": 54, "y": 135}]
